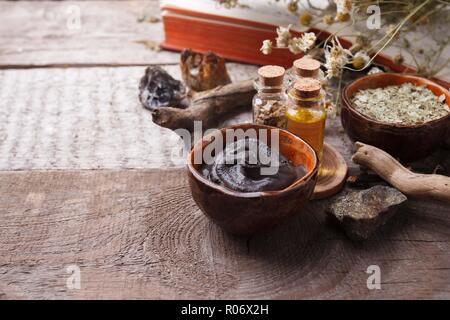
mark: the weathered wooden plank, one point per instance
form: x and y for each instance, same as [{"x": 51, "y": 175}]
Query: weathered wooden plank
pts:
[
  {"x": 91, "y": 118},
  {"x": 83, "y": 118},
  {"x": 138, "y": 234},
  {"x": 42, "y": 33}
]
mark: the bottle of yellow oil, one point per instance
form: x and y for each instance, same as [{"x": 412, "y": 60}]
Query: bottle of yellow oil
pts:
[{"x": 306, "y": 115}]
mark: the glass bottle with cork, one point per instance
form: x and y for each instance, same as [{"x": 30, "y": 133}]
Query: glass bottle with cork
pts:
[
  {"x": 306, "y": 115},
  {"x": 305, "y": 67},
  {"x": 270, "y": 102}
]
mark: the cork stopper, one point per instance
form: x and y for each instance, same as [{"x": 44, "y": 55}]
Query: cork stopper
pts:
[
  {"x": 307, "y": 88},
  {"x": 271, "y": 76},
  {"x": 307, "y": 67}
]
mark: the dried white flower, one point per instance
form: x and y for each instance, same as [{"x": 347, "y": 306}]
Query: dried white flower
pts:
[
  {"x": 266, "y": 47},
  {"x": 343, "y": 6},
  {"x": 303, "y": 43},
  {"x": 363, "y": 55},
  {"x": 228, "y": 3},
  {"x": 295, "y": 45},
  {"x": 360, "y": 60},
  {"x": 331, "y": 109},
  {"x": 283, "y": 36},
  {"x": 375, "y": 70},
  {"x": 336, "y": 57}
]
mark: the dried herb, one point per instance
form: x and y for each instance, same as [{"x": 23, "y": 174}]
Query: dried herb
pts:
[
  {"x": 406, "y": 104},
  {"x": 151, "y": 44},
  {"x": 271, "y": 113}
]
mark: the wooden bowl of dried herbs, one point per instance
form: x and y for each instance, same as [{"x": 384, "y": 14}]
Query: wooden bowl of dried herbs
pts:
[{"x": 405, "y": 115}]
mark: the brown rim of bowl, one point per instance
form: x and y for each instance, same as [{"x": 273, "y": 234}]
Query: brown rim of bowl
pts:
[
  {"x": 296, "y": 184},
  {"x": 425, "y": 81}
]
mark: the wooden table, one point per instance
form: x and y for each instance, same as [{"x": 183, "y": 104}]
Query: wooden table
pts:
[{"x": 88, "y": 180}]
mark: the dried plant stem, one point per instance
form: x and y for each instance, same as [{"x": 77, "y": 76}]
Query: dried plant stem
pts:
[{"x": 392, "y": 36}]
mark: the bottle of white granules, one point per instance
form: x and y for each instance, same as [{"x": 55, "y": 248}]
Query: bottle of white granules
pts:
[{"x": 269, "y": 104}]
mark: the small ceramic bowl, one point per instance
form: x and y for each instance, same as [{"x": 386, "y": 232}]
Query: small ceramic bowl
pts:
[
  {"x": 246, "y": 213},
  {"x": 407, "y": 142}
]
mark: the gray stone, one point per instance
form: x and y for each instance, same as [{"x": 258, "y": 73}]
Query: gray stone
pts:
[{"x": 361, "y": 213}]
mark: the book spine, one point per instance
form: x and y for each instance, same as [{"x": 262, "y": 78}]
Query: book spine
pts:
[{"x": 232, "y": 42}]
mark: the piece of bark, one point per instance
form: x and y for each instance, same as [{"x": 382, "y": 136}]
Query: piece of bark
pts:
[
  {"x": 201, "y": 72},
  {"x": 412, "y": 184},
  {"x": 209, "y": 107},
  {"x": 361, "y": 213}
]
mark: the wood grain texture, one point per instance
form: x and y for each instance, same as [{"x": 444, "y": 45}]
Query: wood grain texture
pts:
[
  {"x": 138, "y": 234},
  {"x": 36, "y": 33},
  {"x": 332, "y": 173},
  {"x": 84, "y": 118}
]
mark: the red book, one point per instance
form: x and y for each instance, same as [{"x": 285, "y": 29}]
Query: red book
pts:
[{"x": 214, "y": 28}]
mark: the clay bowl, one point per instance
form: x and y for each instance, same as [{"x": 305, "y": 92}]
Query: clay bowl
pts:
[
  {"x": 247, "y": 213},
  {"x": 407, "y": 142}
]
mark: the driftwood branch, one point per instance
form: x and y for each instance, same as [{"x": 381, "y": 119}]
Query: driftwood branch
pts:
[
  {"x": 412, "y": 184},
  {"x": 208, "y": 106}
]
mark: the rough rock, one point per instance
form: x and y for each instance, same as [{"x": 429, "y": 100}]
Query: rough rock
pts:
[
  {"x": 361, "y": 213},
  {"x": 158, "y": 89}
]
